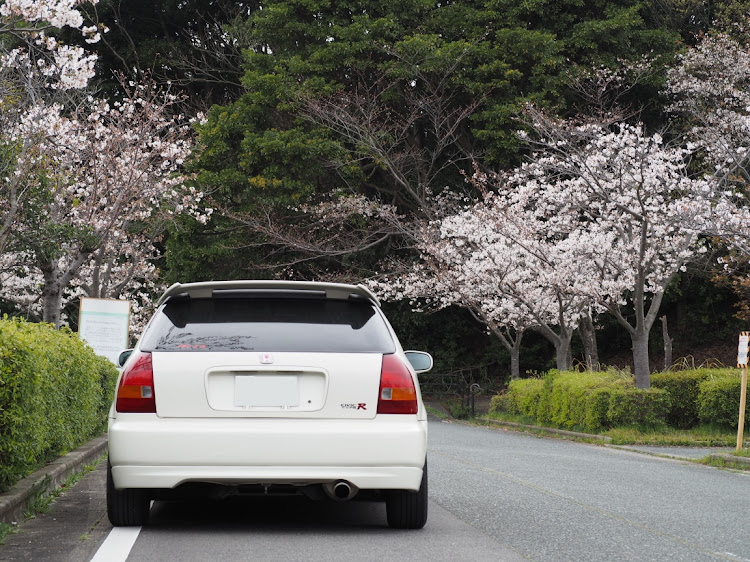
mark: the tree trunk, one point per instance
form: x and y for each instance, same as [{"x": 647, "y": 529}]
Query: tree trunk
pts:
[
  {"x": 561, "y": 341},
  {"x": 56, "y": 280},
  {"x": 668, "y": 362},
  {"x": 639, "y": 333},
  {"x": 563, "y": 354},
  {"x": 640, "y": 359},
  {"x": 588, "y": 337},
  {"x": 511, "y": 340},
  {"x": 52, "y": 297},
  {"x": 515, "y": 360}
]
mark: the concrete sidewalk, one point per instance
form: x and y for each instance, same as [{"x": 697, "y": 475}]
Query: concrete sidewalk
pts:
[{"x": 14, "y": 502}]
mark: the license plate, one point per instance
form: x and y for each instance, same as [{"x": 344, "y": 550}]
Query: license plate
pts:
[{"x": 266, "y": 391}]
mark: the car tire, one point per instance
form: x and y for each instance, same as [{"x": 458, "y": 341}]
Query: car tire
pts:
[
  {"x": 125, "y": 508},
  {"x": 406, "y": 509}
]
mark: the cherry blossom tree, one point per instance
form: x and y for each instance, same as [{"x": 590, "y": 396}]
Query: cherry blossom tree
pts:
[
  {"x": 711, "y": 87},
  {"x": 34, "y": 66},
  {"x": 503, "y": 262},
  {"x": 543, "y": 281},
  {"x": 612, "y": 211},
  {"x": 106, "y": 179},
  {"x": 627, "y": 212},
  {"x": 711, "y": 90},
  {"x": 446, "y": 275},
  {"x": 601, "y": 215},
  {"x": 88, "y": 185}
]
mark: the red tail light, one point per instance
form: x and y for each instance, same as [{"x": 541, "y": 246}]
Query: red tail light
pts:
[
  {"x": 136, "y": 390},
  {"x": 397, "y": 392}
]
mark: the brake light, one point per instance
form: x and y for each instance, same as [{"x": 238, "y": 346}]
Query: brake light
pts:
[
  {"x": 397, "y": 392},
  {"x": 136, "y": 390}
]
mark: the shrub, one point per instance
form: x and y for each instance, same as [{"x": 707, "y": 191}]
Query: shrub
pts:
[
  {"x": 684, "y": 387},
  {"x": 601, "y": 400},
  {"x": 635, "y": 406},
  {"x": 595, "y": 411},
  {"x": 543, "y": 412},
  {"x": 581, "y": 399},
  {"x": 523, "y": 396},
  {"x": 54, "y": 396},
  {"x": 719, "y": 400},
  {"x": 590, "y": 400},
  {"x": 501, "y": 403}
]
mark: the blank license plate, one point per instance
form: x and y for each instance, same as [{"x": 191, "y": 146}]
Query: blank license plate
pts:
[{"x": 270, "y": 391}]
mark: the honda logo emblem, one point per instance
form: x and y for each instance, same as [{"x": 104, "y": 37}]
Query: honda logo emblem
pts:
[{"x": 266, "y": 358}]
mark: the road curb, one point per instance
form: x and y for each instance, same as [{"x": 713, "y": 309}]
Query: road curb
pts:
[
  {"x": 731, "y": 458},
  {"x": 563, "y": 432},
  {"x": 14, "y": 502}
]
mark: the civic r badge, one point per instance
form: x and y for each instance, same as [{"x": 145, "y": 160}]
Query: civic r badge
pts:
[{"x": 266, "y": 358}]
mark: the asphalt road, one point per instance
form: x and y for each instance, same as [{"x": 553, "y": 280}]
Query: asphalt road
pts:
[
  {"x": 554, "y": 500},
  {"x": 495, "y": 495}
]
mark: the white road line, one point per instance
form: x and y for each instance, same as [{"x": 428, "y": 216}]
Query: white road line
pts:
[{"x": 118, "y": 544}]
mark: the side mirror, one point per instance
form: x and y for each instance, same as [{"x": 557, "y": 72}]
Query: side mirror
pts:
[
  {"x": 421, "y": 361},
  {"x": 124, "y": 356}
]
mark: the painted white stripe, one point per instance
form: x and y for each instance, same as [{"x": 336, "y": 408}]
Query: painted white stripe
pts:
[{"x": 118, "y": 544}]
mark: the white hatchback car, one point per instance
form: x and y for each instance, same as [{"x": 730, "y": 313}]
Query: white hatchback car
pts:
[{"x": 269, "y": 387}]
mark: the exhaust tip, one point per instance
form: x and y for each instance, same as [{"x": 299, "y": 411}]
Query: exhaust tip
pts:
[{"x": 340, "y": 490}]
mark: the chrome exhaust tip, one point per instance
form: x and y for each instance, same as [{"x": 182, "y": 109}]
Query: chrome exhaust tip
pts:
[{"x": 341, "y": 490}]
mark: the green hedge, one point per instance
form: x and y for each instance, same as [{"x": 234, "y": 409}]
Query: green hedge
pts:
[
  {"x": 594, "y": 401},
  {"x": 589, "y": 401},
  {"x": 523, "y": 396},
  {"x": 719, "y": 400},
  {"x": 580, "y": 399},
  {"x": 684, "y": 388},
  {"x": 701, "y": 396},
  {"x": 636, "y": 406},
  {"x": 54, "y": 396}
]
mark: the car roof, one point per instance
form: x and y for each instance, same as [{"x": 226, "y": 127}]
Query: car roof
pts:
[{"x": 205, "y": 289}]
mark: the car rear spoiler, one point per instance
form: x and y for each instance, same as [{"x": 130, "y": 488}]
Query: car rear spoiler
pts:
[{"x": 338, "y": 291}]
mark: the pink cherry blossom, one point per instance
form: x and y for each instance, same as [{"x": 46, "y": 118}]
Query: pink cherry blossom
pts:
[{"x": 107, "y": 178}]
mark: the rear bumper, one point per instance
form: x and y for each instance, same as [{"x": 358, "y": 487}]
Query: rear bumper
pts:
[
  {"x": 364, "y": 478},
  {"x": 387, "y": 452}
]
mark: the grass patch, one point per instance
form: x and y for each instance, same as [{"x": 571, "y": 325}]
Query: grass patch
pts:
[
  {"x": 515, "y": 418},
  {"x": 700, "y": 436},
  {"x": 40, "y": 502},
  {"x": 722, "y": 462},
  {"x": 7, "y": 529},
  {"x": 435, "y": 412}
]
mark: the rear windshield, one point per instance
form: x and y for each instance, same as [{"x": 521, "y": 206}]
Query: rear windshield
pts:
[{"x": 268, "y": 324}]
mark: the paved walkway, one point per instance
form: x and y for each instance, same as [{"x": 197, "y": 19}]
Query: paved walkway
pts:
[{"x": 13, "y": 502}]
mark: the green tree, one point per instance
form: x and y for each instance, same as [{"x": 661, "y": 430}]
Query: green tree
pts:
[
  {"x": 393, "y": 100},
  {"x": 188, "y": 43}
]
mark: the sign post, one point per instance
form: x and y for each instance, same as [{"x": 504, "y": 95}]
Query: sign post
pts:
[
  {"x": 104, "y": 324},
  {"x": 742, "y": 363}
]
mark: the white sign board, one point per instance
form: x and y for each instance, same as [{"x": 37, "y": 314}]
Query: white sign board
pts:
[
  {"x": 742, "y": 349},
  {"x": 104, "y": 324}
]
